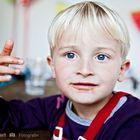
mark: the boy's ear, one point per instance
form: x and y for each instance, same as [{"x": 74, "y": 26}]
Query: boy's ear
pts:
[
  {"x": 51, "y": 64},
  {"x": 124, "y": 67}
]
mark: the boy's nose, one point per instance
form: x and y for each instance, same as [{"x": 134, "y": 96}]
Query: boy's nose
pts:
[{"x": 85, "y": 69}]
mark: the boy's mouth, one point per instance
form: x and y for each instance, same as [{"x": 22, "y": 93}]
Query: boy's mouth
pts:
[{"x": 84, "y": 85}]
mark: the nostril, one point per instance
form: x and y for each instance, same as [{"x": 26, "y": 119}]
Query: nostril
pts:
[{"x": 84, "y": 74}]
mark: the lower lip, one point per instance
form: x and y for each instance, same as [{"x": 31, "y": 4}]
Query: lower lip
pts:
[{"x": 83, "y": 87}]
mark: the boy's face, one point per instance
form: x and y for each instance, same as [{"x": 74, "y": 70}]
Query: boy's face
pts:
[{"x": 86, "y": 66}]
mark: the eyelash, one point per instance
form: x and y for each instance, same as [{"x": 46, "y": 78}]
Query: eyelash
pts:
[
  {"x": 104, "y": 56},
  {"x": 68, "y": 53}
]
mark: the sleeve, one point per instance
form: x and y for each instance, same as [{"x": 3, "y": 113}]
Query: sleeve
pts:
[
  {"x": 34, "y": 114},
  {"x": 130, "y": 130}
]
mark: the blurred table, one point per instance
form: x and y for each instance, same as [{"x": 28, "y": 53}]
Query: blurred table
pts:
[{"x": 16, "y": 90}]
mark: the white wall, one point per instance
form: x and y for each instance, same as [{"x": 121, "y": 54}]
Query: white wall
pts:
[
  {"x": 41, "y": 14},
  {"x": 5, "y": 21}
]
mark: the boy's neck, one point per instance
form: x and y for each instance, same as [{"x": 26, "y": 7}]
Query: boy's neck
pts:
[{"x": 89, "y": 111}]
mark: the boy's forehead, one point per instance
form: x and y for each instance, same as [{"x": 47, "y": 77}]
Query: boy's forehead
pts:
[
  {"x": 85, "y": 35},
  {"x": 85, "y": 30},
  {"x": 86, "y": 40}
]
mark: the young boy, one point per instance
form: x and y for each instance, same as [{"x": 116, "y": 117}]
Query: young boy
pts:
[{"x": 89, "y": 44}]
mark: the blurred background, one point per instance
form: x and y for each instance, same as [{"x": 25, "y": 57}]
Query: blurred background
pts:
[{"x": 27, "y": 22}]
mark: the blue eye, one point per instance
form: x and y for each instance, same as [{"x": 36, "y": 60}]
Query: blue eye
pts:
[
  {"x": 70, "y": 55},
  {"x": 101, "y": 57}
]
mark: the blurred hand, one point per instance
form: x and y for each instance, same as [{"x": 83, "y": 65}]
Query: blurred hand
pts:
[{"x": 6, "y": 59}]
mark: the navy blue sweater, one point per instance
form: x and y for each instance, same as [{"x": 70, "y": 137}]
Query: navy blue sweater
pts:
[{"x": 43, "y": 113}]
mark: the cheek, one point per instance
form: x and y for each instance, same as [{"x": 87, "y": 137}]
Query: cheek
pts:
[
  {"x": 62, "y": 70},
  {"x": 110, "y": 73},
  {"x": 63, "y": 74}
]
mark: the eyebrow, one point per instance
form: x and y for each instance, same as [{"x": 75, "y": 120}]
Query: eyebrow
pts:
[
  {"x": 66, "y": 47},
  {"x": 96, "y": 49},
  {"x": 104, "y": 48}
]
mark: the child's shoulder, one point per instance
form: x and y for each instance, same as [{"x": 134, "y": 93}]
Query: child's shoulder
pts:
[
  {"x": 125, "y": 123},
  {"x": 129, "y": 111},
  {"x": 53, "y": 103},
  {"x": 133, "y": 101},
  {"x": 131, "y": 106}
]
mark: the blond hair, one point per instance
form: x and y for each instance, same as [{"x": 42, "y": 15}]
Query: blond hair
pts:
[{"x": 97, "y": 16}]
